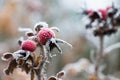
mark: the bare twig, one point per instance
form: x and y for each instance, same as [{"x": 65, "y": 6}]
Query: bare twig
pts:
[{"x": 41, "y": 66}]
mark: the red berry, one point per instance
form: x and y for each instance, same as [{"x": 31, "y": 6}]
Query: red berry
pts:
[
  {"x": 103, "y": 13},
  {"x": 29, "y": 45},
  {"x": 44, "y": 35}
]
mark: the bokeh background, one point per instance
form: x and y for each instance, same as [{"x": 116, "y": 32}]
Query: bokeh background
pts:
[{"x": 66, "y": 15}]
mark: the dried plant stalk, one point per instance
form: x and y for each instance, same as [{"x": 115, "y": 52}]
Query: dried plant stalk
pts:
[{"x": 99, "y": 56}]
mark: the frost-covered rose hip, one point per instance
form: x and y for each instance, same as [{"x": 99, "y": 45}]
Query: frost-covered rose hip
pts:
[
  {"x": 44, "y": 35},
  {"x": 103, "y": 13},
  {"x": 29, "y": 45}
]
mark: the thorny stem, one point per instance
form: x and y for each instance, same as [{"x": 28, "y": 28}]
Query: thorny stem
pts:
[
  {"x": 99, "y": 56},
  {"x": 38, "y": 74},
  {"x": 39, "y": 70}
]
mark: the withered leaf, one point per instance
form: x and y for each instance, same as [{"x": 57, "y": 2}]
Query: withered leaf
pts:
[
  {"x": 38, "y": 27},
  {"x": 104, "y": 31},
  {"x": 7, "y": 56},
  {"x": 11, "y": 67},
  {"x": 21, "y": 62},
  {"x": 30, "y": 34},
  {"x": 26, "y": 68},
  {"x": 30, "y": 58},
  {"x": 34, "y": 57},
  {"x": 94, "y": 16},
  {"x": 19, "y": 42},
  {"x": 37, "y": 59}
]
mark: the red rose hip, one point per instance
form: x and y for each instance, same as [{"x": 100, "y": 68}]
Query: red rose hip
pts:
[
  {"x": 103, "y": 13},
  {"x": 29, "y": 45},
  {"x": 44, "y": 35}
]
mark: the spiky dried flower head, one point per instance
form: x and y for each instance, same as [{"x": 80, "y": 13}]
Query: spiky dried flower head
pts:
[
  {"x": 29, "y": 45},
  {"x": 44, "y": 35}
]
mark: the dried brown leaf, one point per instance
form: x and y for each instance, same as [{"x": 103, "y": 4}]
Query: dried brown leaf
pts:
[
  {"x": 11, "y": 67},
  {"x": 30, "y": 34},
  {"x": 26, "y": 68},
  {"x": 21, "y": 62},
  {"x": 37, "y": 61},
  {"x": 19, "y": 42},
  {"x": 7, "y": 56}
]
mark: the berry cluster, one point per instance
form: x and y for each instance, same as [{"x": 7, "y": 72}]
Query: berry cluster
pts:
[
  {"x": 25, "y": 58},
  {"x": 42, "y": 36},
  {"x": 104, "y": 21}
]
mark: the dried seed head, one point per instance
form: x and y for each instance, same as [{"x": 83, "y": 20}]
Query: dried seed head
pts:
[
  {"x": 29, "y": 45},
  {"x": 44, "y": 35}
]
